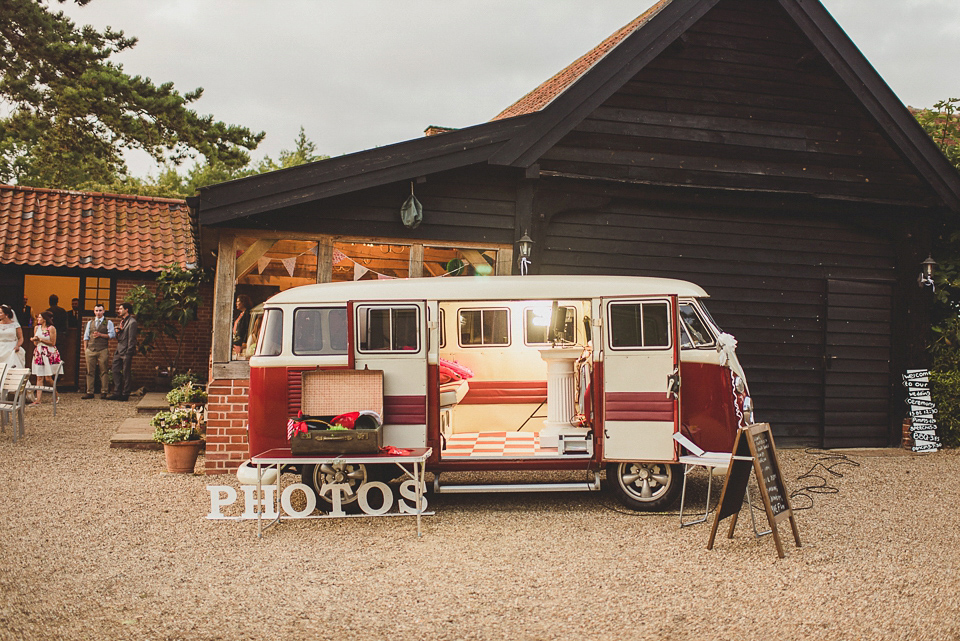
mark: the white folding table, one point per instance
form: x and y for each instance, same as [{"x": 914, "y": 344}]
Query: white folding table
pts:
[{"x": 280, "y": 457}]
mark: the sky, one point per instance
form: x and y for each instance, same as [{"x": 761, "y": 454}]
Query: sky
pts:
[{"x": 358, "y": 74}]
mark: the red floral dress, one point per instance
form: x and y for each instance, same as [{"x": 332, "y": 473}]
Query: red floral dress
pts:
[{"x": 46, "y": 358}]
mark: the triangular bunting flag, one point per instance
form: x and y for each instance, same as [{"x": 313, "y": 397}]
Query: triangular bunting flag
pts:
[
  {"x": 290, "y": 264},
  {"x": 262, "y": 264},
  {"x": 358, "y": 271}
]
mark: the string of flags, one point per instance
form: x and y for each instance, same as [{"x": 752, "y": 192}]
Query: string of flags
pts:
[{"x": 359, "y": 270}]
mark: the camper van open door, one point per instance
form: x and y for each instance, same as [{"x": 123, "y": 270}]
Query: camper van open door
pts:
[
  {"x": 641, "y": 393},
  {"x": 392, "y": 336}
]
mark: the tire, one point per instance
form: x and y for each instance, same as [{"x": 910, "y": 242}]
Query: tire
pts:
[
  {"x": 353, "y": 474},
  {"x": 645, "y": 487}
]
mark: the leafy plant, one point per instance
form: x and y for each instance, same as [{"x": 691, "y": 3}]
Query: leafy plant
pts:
[
  {"x": 186, "y": 377},
  {"x": 187, "y": 393},
  {"x": 175, "y": 426},
  {"x": 164, "y": 313}
]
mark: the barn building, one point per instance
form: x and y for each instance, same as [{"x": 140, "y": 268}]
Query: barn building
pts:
[{"x": 745, "y": 145}]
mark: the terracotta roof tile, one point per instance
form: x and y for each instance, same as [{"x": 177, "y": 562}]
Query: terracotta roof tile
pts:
[
  {"x": 59, "y": 228},
  {"x": 546, "y": 92}
]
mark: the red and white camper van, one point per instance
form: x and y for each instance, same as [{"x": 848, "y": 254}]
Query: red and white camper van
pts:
[{"x": 513, "y": 373}]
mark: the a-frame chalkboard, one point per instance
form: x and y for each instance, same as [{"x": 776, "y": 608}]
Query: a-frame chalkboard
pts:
[{"x": 754, "y": 449}]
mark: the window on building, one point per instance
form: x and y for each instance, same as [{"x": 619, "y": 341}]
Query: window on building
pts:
[
  {"x": 636, "y": 324},
  {"x": 97, "y": 291},
  {"x": 484, "y": 327}
]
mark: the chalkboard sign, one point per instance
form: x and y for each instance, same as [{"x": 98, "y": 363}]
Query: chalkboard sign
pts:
[{"x": 755, "y": 451}]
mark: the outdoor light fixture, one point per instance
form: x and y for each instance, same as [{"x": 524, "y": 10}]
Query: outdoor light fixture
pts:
[
  {"x": 925, "y": 279},
  {"x": 526, "y": 248}
]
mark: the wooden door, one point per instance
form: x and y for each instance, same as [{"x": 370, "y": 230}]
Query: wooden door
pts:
[{"x": 856, "y": 410}]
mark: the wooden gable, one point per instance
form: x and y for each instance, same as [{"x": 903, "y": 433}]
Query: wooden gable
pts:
[{"x": 741, "y": 100}]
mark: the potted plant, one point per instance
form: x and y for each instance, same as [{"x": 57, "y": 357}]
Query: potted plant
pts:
[
  {"x": 180, "y": 432},
  {"x": 187, "y": 394}
]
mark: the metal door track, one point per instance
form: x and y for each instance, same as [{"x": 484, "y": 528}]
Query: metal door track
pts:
[{"x": 578, "y": 486}]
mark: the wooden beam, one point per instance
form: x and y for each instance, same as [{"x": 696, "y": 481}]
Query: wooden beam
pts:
[
  {"x": 415, "y": 270},
  {"x": 248, "y": 260},
  {"x": 223, "y": 288},
  {"x": 325, "y": 260}
]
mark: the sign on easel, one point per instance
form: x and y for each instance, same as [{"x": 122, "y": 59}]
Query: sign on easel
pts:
[{"x": 754, "y": 451}]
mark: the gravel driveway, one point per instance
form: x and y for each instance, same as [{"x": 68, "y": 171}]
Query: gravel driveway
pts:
[{"x": 97, "y": 543}]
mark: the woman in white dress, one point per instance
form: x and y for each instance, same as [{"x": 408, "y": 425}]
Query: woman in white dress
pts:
[
  {"x": 46, "y": 357},
  {"x": 11, "y": 338},
  {"x": 11, "y": 341}
]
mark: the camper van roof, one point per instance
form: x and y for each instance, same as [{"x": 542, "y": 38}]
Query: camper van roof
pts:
[{"x": 489, "y": 288}]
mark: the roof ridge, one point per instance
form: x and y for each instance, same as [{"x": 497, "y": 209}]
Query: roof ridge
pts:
[
  {"x": 547, "y": 91},
  {"x": 102, "y": 194}
]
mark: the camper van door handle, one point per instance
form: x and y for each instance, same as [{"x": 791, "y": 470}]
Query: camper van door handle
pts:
[{"x": 673, "y": 383}]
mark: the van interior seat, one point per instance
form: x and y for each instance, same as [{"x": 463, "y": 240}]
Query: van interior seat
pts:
[{"x": 453, "y": 392}]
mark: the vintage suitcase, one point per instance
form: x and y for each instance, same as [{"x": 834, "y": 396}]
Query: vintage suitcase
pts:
[{"x": 329, "y": 393}]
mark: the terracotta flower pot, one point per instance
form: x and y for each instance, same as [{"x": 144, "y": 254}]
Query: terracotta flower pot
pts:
[{"x": 182, "y": 457}]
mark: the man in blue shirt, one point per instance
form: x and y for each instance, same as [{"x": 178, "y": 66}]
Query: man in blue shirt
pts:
[{"x": 96, "y": 350}]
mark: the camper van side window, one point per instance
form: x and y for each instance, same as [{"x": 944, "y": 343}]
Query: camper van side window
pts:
[
  {"x": 271, "y": 333},
  {"x": 320, "y": 330},
  {"x": 537, "y": 325},
  {"x": 639, "y": 324},
  {"x": 484, "y": 327},
  {"x": 388, "y": 329}
]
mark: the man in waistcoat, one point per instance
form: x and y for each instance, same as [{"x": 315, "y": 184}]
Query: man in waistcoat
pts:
[
  {"x": 97, "y": 351},
  {"x": 123, "y": 357}
]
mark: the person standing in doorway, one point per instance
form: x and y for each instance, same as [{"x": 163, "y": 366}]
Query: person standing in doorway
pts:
[
  {"x": 123, "y": 357},
  {"x": 26, "y": 314},
  {"x": 59, "y": 314},
  {"x": 74, "y": 315},
  {"x": 97, "y": 350}
]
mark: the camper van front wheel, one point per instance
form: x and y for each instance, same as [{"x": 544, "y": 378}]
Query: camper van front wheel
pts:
[
  {"x": 352, "y": 474},
  {"x": 645, "y": 486}
]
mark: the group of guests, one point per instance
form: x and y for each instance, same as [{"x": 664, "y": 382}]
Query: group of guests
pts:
[{"x": 46, "y": 362}]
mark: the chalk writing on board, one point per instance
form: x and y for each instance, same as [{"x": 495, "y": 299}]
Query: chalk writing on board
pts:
[{"x": 923, "y": 421}]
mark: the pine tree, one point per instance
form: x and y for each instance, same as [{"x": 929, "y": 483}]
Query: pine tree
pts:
[{"x": 70, "y": 112}]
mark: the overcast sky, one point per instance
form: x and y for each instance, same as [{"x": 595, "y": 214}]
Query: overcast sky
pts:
[{"x": 358, "y": 74}]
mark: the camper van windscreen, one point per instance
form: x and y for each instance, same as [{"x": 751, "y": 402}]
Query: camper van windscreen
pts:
[{"x": 271, "y": 337}]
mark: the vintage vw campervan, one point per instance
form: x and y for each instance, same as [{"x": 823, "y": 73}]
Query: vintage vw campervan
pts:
[{"x": 586, "y": 373}]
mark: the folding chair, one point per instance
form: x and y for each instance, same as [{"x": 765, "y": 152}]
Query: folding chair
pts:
[
  {"x": 712, "y": 461},
  {"x": 13, "y": 399},
  {"x": 48, "y": 388}
]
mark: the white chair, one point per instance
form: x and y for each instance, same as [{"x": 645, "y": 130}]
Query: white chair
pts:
[
  {"x": 698, "y": 457},
  {"x": 13, "y": 399},
  {"x": 49, "y": 388}
]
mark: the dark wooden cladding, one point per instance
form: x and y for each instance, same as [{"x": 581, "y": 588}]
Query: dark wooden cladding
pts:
[
  {"x": 767, "y": 277},
  {"x": 474, "y": 204},
  {"x": 732, "y": 109}
]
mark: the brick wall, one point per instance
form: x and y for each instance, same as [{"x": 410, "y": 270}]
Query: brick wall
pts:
[
  {"x": 226, "y": 425},
  {"x": 196, "y": 346}
]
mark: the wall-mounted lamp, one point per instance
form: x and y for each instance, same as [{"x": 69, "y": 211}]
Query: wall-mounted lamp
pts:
[
  {"x": 925, "y": 279},
  {"x": 526, "y": 248}
]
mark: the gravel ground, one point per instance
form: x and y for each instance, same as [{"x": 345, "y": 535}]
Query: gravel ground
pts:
[{"x": 98, "y": 543}]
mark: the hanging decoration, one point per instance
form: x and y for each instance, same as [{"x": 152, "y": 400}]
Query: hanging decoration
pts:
[
  {"x": 358, "y": 271},
  {"x": 290, "y": 264},
  {"x": 262, "y": 263},
  {"x": 411, "y": 214}
]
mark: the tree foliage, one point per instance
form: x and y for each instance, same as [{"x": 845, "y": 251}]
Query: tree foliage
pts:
[
  {"x": 164, "y": 312},
  {"x": 71, "y": 112}
]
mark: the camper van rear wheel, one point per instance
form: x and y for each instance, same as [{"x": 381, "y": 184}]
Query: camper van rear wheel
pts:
[
  {"x": 645, "y": 486},
  {"x": 352, "y": 474}
]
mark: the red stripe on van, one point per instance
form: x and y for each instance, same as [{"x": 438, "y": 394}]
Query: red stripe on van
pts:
[
  {"x": 505, "y": 392},
  {"x": 405, "y": 410},
  {"x": 637, "y": 406}
]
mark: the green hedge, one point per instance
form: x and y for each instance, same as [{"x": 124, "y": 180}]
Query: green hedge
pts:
[{"x": 945, "y": 387}]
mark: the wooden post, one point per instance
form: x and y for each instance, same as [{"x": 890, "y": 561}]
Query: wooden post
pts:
[
  {"x": 325, "y": 260},
  {"x": 223, "y": 288},
  {"x": 415, "y": 267}
]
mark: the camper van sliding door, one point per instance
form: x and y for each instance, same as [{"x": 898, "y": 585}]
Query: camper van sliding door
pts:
[
  {"x": 393, "y": 337},
  {"x": 640, "y": 358}
]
